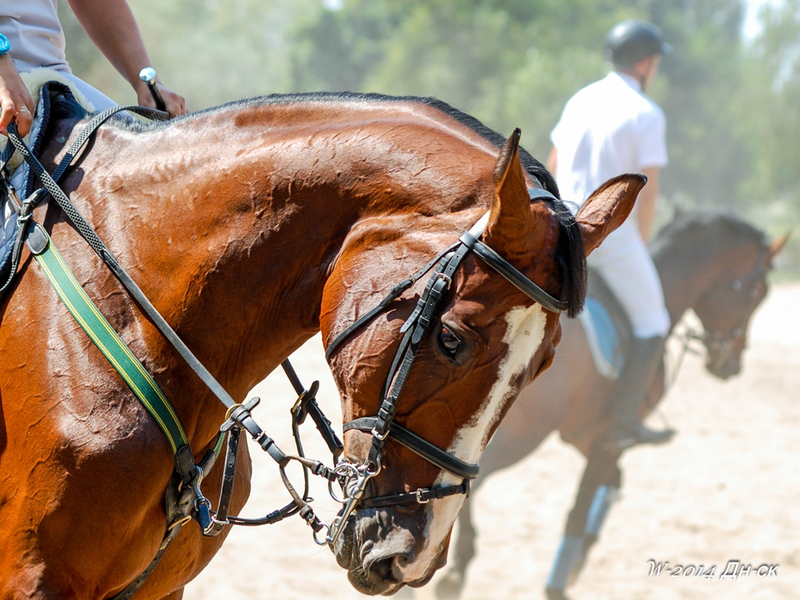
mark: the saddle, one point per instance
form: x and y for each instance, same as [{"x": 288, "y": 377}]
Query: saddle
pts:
[
  {"x": 607, "y": 327},
  {"x": 56, "y": 101}
]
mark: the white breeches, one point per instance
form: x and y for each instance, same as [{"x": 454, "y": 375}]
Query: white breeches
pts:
[
  {"x": 625, "y": 264},
  {"x": 96, "y": 97}
]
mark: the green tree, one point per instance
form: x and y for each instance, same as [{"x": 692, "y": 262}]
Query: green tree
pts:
[
  {"x": 731, "y": 106},
  {"x": 211, "y": 51}
]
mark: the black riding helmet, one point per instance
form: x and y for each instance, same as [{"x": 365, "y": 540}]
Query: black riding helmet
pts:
[{"x": 631, "y": 41}]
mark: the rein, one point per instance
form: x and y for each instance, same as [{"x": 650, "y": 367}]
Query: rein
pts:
[{"x": 382, "y": 426}]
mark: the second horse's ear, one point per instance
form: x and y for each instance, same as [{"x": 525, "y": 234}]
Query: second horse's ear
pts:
[
  {"x": 608, "y": 207},
  {"x": 777, "y": 245}
]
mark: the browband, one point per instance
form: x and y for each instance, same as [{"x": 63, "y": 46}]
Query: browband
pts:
[{"x": 512, "y": 274}]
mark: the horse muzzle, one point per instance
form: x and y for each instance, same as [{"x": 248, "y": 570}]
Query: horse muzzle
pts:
[
  {"x": 723, "y": 367},
  {"x": 378, "y": 547}
]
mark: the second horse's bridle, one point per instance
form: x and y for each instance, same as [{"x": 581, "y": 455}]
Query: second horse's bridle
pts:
[
  {"x": 382, "y": 426},
  {"x": 721, "y": 343}
]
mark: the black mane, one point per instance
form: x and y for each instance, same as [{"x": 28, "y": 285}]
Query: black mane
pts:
[{"x": 693, "y": 229}]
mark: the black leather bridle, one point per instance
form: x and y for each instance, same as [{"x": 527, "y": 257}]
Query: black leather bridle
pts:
[
  {"x": 382, "y": 426},
  {"x": 720, "y": 344}
]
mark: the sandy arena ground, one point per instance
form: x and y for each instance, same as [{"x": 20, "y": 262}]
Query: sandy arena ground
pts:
[{"x": 724, "y": 489}]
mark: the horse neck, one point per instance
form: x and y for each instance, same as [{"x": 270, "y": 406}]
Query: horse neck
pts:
[{"x": 250, "y": 221}]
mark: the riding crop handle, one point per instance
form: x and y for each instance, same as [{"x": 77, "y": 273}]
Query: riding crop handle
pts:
[{"x": 148, "y": 75}]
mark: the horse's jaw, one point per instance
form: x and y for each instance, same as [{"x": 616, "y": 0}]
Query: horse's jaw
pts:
[{"x": 385, "y": 549}]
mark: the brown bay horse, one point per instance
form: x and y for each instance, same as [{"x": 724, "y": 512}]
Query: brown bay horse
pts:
[
  {"x": 712, "y": 263},
  {"x": 251, "y": 227}
]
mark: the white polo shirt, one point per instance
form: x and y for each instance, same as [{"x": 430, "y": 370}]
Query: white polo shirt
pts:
[
  {"x": 34, "y": 32},
  {"x": 608, "y": 128}
]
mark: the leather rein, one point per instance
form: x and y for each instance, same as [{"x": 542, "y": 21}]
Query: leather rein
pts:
[{"x": 382, "y": 426}]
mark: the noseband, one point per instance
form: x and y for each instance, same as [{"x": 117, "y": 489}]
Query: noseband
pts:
[{"x": 382, "y": 426}]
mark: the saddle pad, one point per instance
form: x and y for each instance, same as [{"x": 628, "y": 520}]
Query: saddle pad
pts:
[
  {"x": 34, "y": 80},
  {"x": 19, "y": 179},
  {"x": 603, "y": 339}
]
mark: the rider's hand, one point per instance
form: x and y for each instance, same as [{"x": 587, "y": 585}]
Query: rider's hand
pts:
[
  {"x": 15, "y": 100},
  {"x": 176, "y": 105}
]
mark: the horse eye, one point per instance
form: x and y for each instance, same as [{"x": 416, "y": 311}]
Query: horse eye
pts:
[{"x": 449, "y": 342}]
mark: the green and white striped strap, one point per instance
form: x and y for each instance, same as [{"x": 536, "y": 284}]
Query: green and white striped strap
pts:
[{"x": 109, "y": 343}]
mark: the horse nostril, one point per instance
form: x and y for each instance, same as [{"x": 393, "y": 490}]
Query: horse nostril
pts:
[
  {"x": 383, "y": 570},
  {"x": 389, "y": 569}
]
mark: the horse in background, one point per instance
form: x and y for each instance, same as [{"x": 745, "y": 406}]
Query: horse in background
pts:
[
  {"x": 251, "y": 227},
  {"x": 710, "y": 262}
]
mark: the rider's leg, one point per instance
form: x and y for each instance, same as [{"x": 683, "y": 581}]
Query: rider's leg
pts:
[
  {"x": 637, "y": 375},
  {"x": 98, "y": 99},
  {"x": 626, "y": 266}
]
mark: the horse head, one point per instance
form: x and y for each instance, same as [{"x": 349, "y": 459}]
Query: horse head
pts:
[
  {"x": 479, "y": 346},
  {"x": 717, "y": 265},
  {"x": 726, "y": 309}
]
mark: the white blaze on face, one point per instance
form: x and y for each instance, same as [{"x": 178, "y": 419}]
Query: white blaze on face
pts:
[{"x": 524, "y": 335}]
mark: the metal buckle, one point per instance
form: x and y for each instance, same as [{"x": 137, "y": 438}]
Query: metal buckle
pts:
[
  {"x": 420, "y": 499},
  {"x": 380, "y": 436}
]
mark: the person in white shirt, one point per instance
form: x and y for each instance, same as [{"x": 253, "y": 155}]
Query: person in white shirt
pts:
[
  {"x": 32, "y": 37},
  {"x": 608, "y": 128}
]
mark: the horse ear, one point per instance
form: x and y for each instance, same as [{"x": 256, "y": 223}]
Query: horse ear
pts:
[
  {"x": 777, "y": 245},
  {"x": 608, "y": 207},
  {"x": 510, "y": 219}
]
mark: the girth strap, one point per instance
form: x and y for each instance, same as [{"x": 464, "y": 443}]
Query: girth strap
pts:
[{"x": 422, "y": 447}]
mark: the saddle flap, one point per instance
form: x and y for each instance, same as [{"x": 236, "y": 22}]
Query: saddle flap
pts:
[
  {"x": 606, "y": 326},
  {"x": 55, "y": 101}
]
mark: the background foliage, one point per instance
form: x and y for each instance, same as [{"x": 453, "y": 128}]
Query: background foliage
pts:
[{"x": 732, "y": 102}]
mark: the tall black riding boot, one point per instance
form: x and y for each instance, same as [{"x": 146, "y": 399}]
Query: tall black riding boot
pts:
[{"x": 640, "y": 366}]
